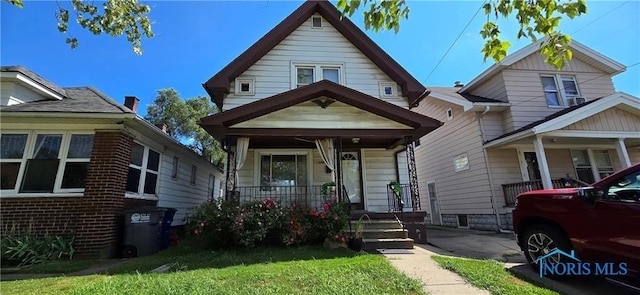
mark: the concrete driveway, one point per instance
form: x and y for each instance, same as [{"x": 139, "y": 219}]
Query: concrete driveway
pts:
[{"x": 503, "y": 247}]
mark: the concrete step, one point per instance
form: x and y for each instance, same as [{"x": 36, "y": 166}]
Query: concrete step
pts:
[
  {"x": 370, "y": 244},
  {"x": 378, "y": 224},
  {"x": 369, "y": 233}
]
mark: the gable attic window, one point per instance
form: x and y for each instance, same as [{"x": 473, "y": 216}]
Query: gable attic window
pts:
[
  {"x": 561, "y": 91},
  {"x": 44, "y": 162},
  {"x": 316, "y": 22},
  {"x": 307, "y": 73},
  {"x": 388, "y": 89},
  {"x": 449, "y": 114},
  {"x": 245, "y": 86}
]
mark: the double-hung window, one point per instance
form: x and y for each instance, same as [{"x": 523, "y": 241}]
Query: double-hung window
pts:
[
  {"x": 45, "y": 162},
  {"x": 308, "y": 73},
  {"x": 592, "y": 165},
  {"x": 283, "y": 170},
  {"x": 560, "y": 90},
  {"x": 142, "y": 178}
]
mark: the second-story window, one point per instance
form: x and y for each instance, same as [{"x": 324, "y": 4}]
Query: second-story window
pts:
[
  {"x": 560, "y": 91},
  {"x": 308, "y": 73}
]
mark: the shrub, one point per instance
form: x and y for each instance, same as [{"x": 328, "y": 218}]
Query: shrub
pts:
[{"x": 25, "y": 248}]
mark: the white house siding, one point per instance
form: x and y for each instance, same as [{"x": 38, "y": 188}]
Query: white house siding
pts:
[
  {"x": 308, "y": 115},
  {"x": 634, "y": 154},
  {"x": 379, "y": 169},
  {"x": 526, "y": 95},
  {"x": 14, "y": 93},
  {"x": 492, "y": 125},
  {"x": 505, "y": 168},
  {"x": 492, "y": 88},
  {"x": 272, "y": 73},
  {"x": 463, "y": 192},
  {"x": 613, "y": 119},
  {"x": 178, "y": 192}
]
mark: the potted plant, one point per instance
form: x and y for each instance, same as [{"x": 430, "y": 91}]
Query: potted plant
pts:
[{"x": 355, "y": 243}]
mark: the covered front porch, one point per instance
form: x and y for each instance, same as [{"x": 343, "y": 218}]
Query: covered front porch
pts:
[
  {"x": 321, "y": 141},
  {"x": 572, "y": 148}
]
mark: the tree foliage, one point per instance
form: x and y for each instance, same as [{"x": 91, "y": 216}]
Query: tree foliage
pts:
[
  {"x": 535, "y": 17},
  {"x": 181, "y": 117},
  {"x": 113, "y": 17}
]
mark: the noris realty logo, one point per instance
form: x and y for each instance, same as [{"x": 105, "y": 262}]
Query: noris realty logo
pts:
[{"x": 553, "y": 264}]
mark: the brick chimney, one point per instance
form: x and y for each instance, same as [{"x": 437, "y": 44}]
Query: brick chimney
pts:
[
  {"x": 163, "y": 127},
  {"x": 132, "y": 103},
  {"x": 457, "y": 84}
]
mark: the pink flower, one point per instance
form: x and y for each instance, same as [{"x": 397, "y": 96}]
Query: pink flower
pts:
[
  {"x": 337, "y": 237},
  {"x": 336, "y": 218},
  {"x": 342, "y": 240},
  {"x": 202, "y": 224},
  {"x": 259, "y": 223},
  {"x": 325, "y": 207},
  {"x": 196, "y": 232}
]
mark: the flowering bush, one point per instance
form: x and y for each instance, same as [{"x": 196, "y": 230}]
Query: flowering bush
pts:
[{"x": 223, "y": 224}]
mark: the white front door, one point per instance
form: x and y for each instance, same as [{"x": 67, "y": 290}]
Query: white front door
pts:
[{"x": 434, "y": 205}]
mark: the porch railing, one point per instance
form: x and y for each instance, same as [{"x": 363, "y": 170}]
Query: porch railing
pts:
[
  {"x": 400, "y": 203},
  {"x": 512, "y": 190},
  {"x": 310, "y": 197}
]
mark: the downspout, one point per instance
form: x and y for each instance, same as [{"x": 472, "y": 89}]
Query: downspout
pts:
[{"x": 494, "y": 204}]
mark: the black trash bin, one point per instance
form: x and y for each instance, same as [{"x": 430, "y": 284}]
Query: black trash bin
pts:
[
  {"x": 144, "y": 228},
  {"x": 165, "y": 229}
]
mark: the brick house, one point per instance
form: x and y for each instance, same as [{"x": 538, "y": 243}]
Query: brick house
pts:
[{"x": 74, "y": 159}]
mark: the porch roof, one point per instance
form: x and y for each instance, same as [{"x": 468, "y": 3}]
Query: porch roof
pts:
[
  {"x": 571, "y": 115},
  {"x": 220, "y": 125}
]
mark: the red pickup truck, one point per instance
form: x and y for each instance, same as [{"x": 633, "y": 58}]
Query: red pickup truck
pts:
[{"x": 584, "y": 231}]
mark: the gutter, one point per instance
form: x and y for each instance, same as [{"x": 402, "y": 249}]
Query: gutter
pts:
[
  {"x": 69, "y": 115},
  {"x": 494, "y": 204}
]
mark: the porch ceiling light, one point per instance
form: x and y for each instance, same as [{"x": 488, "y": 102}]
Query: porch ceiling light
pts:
[
  {"x": 355, "y": 139},
  {"x": 323, "y": 103}
]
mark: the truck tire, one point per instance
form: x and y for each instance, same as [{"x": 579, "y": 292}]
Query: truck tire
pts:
[{"x": 542, "y": 239}]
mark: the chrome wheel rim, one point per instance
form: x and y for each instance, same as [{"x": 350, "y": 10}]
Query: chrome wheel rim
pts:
[{"x": 540, "y": 244}]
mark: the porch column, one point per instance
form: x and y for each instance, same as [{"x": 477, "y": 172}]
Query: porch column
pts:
[
  {"x": 413, "y": 174},
  {"x": 542, "y": 163},
  {"x": 623, "y": 156}
]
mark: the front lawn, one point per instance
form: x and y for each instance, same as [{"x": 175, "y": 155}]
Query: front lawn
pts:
[
  {"x": 489, "y": 275},
  {"x": 310, "y": 270}
]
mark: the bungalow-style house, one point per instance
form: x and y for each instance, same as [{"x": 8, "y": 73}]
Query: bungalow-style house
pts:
[
  {"x": 316, "y": 101},
  {"x": 522, "y": 125},
  {"x": 74, "y": 159}
]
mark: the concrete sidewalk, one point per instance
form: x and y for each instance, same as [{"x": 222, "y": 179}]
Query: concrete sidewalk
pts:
[{"x": 417, "y": 263}]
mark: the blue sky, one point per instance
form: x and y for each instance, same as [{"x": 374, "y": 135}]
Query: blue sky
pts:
[{"x": 194, "y": 40}]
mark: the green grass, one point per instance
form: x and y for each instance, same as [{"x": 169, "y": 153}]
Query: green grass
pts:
[
  {"x": 490, "y": 275},
  {"x": 305, "y": 270}
]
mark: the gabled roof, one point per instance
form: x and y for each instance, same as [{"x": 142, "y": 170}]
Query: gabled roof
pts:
[
  {"x": 580, "y": 51},
  {"x": 218, "y": 85},
  {"x": 569, "y": 116},
  {"x": 466, "y": 101},
  {"x": 78, "y": 100},
  {"x": 218, "y": 124},
  {"x": 35, "y": 78}
]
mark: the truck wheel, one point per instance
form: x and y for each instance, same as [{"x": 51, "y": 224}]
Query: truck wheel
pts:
[{"x": 540, "y": 240}]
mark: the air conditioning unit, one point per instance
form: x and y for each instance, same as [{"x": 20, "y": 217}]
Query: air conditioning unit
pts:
[{"x": 571, "y": 101}]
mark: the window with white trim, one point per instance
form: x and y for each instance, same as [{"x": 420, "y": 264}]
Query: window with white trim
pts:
[
  {"x": 176, "y": 166},
  {"x": 461, "y": 162},
  {"x": 194, "y": 171},
  {"x": 316, "y": 22},
  {"x": 283, "y": 170},
  {"x": 388, "y": 89},
  {"x": 245, "y": 86},
  {"x": 307, "y": 73},
  {"x": 449, "y": 114},
  {"x": 563, "y": 94},
  {"x": 592, "y": 165},
  {"x": 44, "y": 162},
  {"x": 142, "y": 179}
]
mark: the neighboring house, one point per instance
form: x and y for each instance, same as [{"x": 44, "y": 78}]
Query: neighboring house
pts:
[
  {"x": 523, "y": 125},
  {"x": 313, "y": 101},
  {"x": 74, "y": 159}
]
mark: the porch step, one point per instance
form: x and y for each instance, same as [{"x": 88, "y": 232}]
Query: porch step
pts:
[
  {"x": 385, "y": 233},
  {"x": 370, "y": 244}
]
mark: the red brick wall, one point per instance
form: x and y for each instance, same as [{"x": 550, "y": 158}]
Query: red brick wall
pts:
[{"x": 96, "y": 217}]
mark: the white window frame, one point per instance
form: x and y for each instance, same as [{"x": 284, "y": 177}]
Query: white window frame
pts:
[
  {"x": 317, "y": 71},
  {"x": 560, "y": 91},
  {"x": 593, "y": 165},
  {"x": 449, "y": 114},
  {"x": 321, "y": 21},
  {"x": 265, "y": 152},
  {"x": 458, "y": 162},
  {"x": 62, "y": 157},
  {"x": 392, "y": 85},
  {"x": 252, "y": 86},
  {"x": 143, "y": 175},
  {"x": 175, "y": 167}
]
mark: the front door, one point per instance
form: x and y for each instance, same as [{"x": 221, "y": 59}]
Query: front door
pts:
[
  {"x": 529, "y": 166},
  {"x": 433, "y": 201},
  {"x": 352, "y": 178}
]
